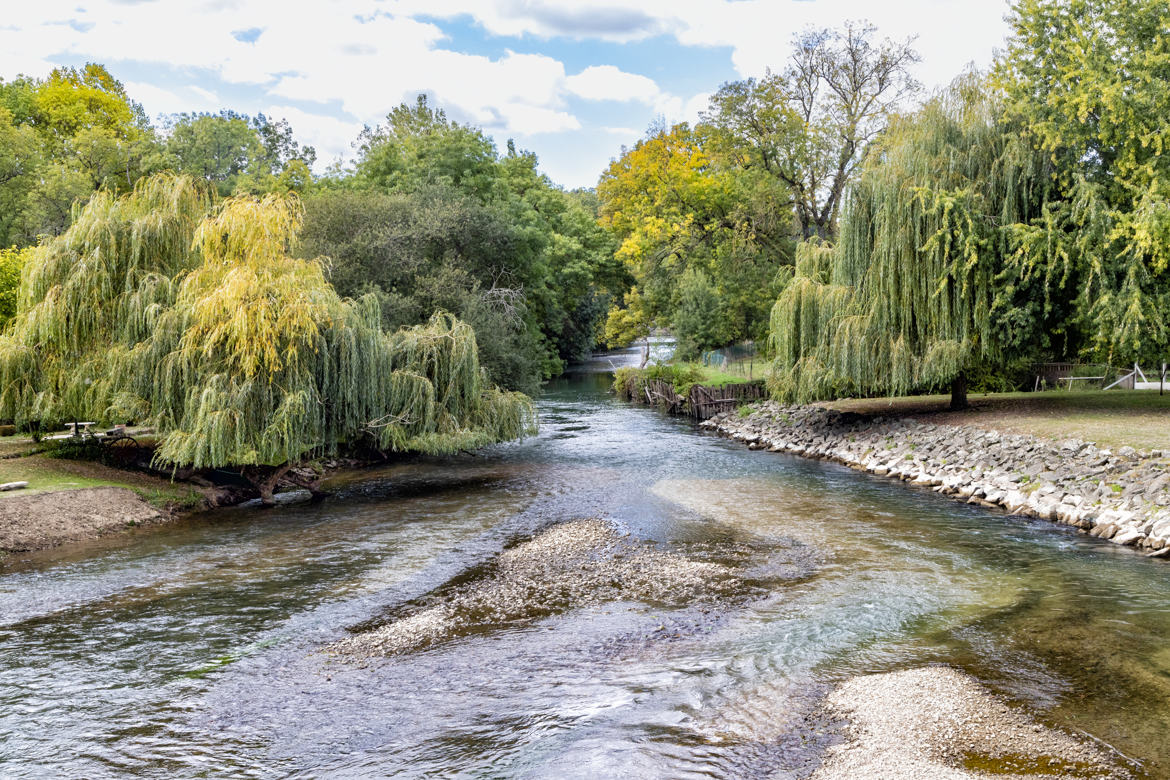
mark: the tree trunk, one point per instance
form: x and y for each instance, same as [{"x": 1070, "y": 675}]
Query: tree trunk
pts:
[
  {"x": 264, "y": 479},
  {"x": 313, "y": 485},
  {"x": 959, "y": 393},
  {"x": 645, "y": 353}
]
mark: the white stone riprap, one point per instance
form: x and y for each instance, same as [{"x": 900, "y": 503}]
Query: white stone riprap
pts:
[{"x": 1121, "y": 496}]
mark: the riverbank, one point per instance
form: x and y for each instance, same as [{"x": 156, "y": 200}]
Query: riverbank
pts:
[
  {"x": 38, "y": 521},
  {"x": 66, "y": 501},
  {"x": 1122, "y": 495},
  {"x": 1114, "y": 419}
]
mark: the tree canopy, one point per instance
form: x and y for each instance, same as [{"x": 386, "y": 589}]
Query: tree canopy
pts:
[
  {"x": 159, "y": 307},
  {"x": 920, "y": 288},
  {"x": 433, "y": 216},
  {"x": 1022, "y": 217},
  {"x": 808, "y": 125},
  {"x": 676, "y": 212},
  {"x": 1087, "y": 81}
]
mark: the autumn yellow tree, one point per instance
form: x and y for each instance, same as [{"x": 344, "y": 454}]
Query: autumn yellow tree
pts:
[{"x": 673, "y": 210}]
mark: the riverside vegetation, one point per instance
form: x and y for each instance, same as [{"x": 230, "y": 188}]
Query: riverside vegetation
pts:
[
  {"x": 586, "y": 596},
  {"x": 876, "y": 247}
]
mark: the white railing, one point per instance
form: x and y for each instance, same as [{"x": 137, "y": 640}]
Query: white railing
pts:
[{"x": 1144, "y": 384}]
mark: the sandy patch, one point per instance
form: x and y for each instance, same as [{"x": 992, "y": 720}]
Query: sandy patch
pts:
[
  {"x": 41, "y": 520},
  {"x": 936, "y": 722}
]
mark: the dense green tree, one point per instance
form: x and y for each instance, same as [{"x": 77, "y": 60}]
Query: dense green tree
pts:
[
  {"x": 1087, "y": 82},
  {"x": 150, "y": 307},
  {"x": 425, "y": 251},
  {"x": 920, "y": 289},
  {"x": 62, "y": 138},
  {"x": 238, "y": 153},
  {"x": 699, "y": 323},
  {"x": 521, "y": 259},
  {"x": 12, "y": 262},
  {"x": 20, "y": 161},
  {"x": 419, "y": 146}
]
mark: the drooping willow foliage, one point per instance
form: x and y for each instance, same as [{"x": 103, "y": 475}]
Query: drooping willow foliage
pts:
[
  {"x": 87, "y": 297},
  {"x": 922, "y": 283},
  {"x": 154, "y": 308}
]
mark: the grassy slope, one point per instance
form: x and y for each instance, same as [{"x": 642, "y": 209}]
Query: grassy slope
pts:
[
  {"x": 46, "y": 475},
  {"x": 1114, "y": 418}
]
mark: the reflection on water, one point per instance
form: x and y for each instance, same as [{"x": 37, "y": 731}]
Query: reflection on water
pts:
[{"x": 198, "y": 650}]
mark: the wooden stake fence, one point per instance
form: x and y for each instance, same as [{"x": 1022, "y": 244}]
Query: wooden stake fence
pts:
[{"x": 701, "y": 402}]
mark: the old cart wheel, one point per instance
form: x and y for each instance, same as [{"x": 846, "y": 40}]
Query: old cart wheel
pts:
[{"x": 122, "y": 452}]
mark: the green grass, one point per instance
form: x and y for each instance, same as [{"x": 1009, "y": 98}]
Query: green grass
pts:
[
  {"x": 710, "y": 376},
  {"x": 16, "y": 446},
  {"x": 47, "y": 475},
  {"x": 1111, "y": 418}
]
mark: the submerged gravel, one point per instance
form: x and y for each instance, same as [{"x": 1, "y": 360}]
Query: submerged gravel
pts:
[
  {"x": 938, "y": 723},
  {"x": 569, "y": 565}
]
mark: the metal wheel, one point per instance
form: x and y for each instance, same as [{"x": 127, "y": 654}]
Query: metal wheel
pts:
[{"x": 122, "y": 452}]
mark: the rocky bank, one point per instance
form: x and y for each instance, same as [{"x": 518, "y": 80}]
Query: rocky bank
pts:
[{"x": 1122, "y": 496}]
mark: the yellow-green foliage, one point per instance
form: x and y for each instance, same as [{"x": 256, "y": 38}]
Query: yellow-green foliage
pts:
[
  {"x": 90, "y": 294},
  {"x": 909, "y": 295},
  {"x": 11, "y": 262},
  {"x": 155, "y": 308}
]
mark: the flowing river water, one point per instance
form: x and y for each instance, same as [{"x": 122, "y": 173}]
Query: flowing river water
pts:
[{"x": 199, "y": 649}]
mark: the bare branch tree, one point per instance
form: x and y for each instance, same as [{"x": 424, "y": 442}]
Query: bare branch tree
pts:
[{"x": 810, "y": 125}]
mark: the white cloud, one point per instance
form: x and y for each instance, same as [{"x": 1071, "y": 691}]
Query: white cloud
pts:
[
  {"x": 156, "y": 100},
  {"x": 330, "y": 136},
  {"x": 533, "y": 120},
  {"x": 607, "y": 20},
  {"x": 605, "y": 82},
  {"x": 345, "y": 65},
  {"x": 951, "y": 33},
  {"x": 206, "y": 94}
]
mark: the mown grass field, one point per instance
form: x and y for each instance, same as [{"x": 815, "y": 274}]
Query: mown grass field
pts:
[{"x": 1112, "y": 418}]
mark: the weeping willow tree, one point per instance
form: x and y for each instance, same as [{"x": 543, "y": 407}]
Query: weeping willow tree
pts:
[
  {"x": 154, "y": 308},
  {"x": 88, "y": 296},
  {"x": 921, "y": 286}
]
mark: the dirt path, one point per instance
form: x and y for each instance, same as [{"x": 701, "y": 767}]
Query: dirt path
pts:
[{"x": 40, "y": 520}]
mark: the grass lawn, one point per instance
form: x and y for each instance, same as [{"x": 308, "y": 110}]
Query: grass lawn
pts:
[
  {"x": 46, "y": 475},
  {"x": 714, "y": 377},
  {"x": 1111, "y": 418},
  {"x": 15, "y": 446}
]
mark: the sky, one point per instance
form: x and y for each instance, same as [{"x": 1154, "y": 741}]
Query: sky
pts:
[{"x": 570, "y": 80}]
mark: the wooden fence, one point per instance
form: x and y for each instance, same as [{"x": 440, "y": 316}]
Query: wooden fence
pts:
[{"x": 702, "y": 402}]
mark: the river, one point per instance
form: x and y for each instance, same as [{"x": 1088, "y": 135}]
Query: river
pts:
[{"x": 196, "y": 649}]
